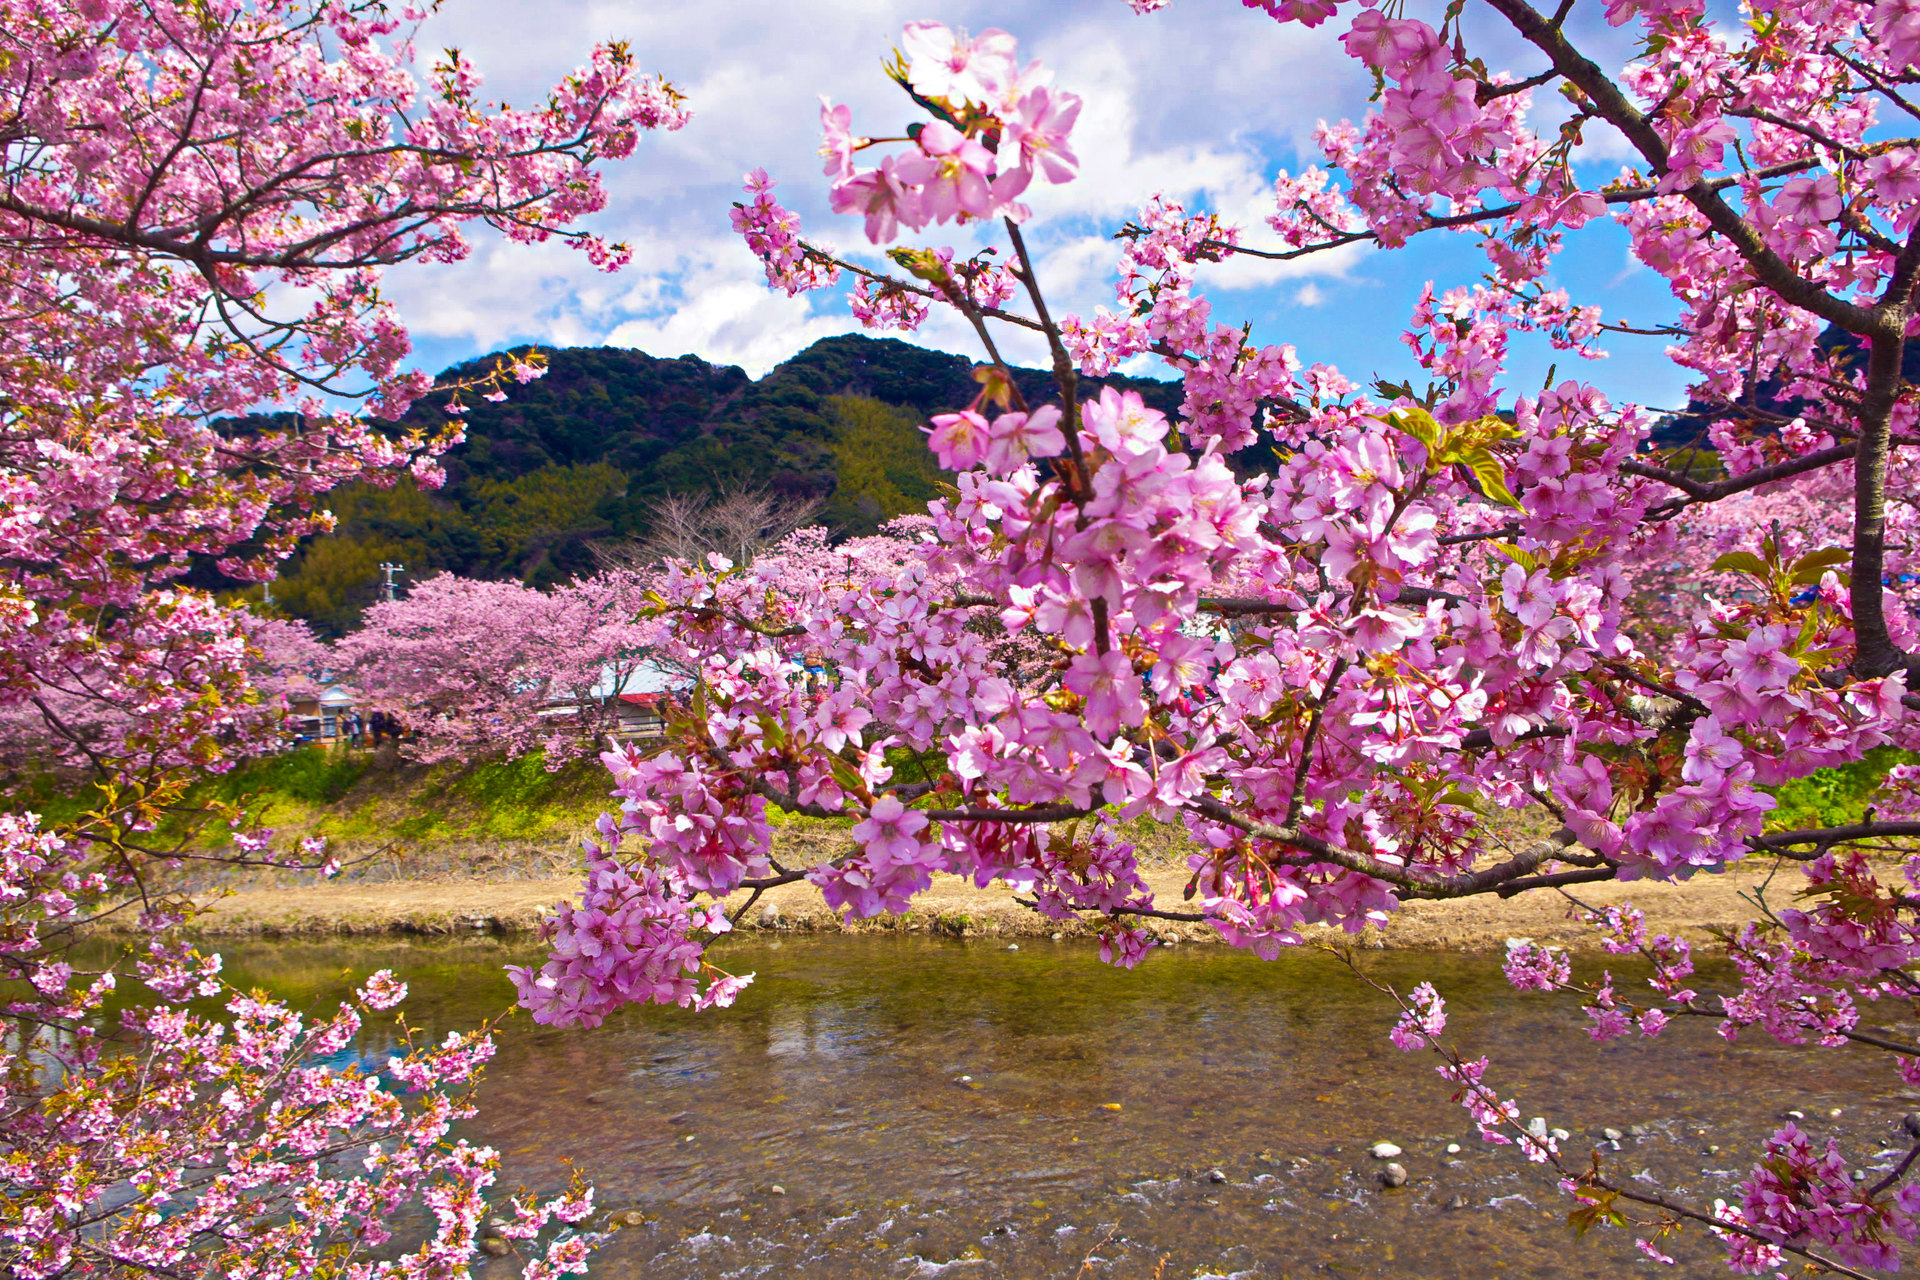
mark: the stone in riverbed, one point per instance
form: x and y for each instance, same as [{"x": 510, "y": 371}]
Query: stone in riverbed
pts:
[
  {"x": 1612, "y": 1135},
  {"x": 1384, "y": 1151},
  {"x": 1394, "y": 1175},
  {"x": 1214, "y": 1175},
  {"x": 495, "y": 1247},
  {"x": 1458, "y": 1202}
]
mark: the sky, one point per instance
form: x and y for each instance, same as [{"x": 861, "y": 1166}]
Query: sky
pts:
[{"x": 1205, "y": 101}]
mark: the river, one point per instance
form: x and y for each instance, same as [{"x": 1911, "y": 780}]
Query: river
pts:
[{"x": 965, "y": 1109}]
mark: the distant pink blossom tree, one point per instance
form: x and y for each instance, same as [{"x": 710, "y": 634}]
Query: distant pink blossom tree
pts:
[
  {"x": 483, "y": 668},
  {"x": 1430, "y": 606}
]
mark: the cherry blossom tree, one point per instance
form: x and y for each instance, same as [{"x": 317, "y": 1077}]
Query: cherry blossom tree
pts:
[
  {"x": 197, "y": 201},
  {"x": 1430, "y": 609},
  {"x": 483, "y": 668}
]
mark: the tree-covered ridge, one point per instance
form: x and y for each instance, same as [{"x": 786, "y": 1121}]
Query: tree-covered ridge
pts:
[{"x": 582, "y": 455}]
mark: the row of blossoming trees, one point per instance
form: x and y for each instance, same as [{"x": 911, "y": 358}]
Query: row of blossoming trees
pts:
[
  {"x": 482, "y": 669},
  {"x": 1432, "y": 606},
  {"x": 197, "y": 201}
]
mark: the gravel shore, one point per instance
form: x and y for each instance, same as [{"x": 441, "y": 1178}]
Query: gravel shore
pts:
[{"x": 954, "y": 907}]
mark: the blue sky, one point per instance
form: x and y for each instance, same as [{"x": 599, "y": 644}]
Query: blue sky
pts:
[{"x": 1205, "y": 100}]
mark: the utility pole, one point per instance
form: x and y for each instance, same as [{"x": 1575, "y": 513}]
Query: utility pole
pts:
[{"x": 386, "y": 572}]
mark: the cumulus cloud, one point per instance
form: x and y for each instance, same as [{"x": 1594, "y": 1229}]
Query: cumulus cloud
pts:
[
  {"x": 753, "y": 71},
  {"x": 1204, "y": 103}
]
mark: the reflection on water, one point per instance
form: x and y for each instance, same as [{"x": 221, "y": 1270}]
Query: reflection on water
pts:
[{"x": 934, "y": 1107}]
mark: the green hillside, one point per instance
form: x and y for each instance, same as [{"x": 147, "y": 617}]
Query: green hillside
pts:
[{"x": 580, "y": 456}]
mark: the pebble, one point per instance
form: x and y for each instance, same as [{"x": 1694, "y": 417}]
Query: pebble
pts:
[
  {"x": 1453, "y": 1148},
  {"x": 628, "y": 1218},
  {"x": 1638, "y": 1131},
  {"x": 1795, "y": 1115},
  {"x": 495, "y": 1247},
  {"x": 776, "y": 1190},
  {"x": 1394, "y": 1175},
  {"x": 1612, "y": 1135},
  {"x": 1834, "y": 1114},
  {"x": 1214, "y": 1175},
  {"x": 1561, "y": 1135},
  {"x": 1385, "y": 1151},
  {"x": 1458, "y": 1202},
  {"x": 1058, "y": 936},
  {"x": 1013, "y": 946}
]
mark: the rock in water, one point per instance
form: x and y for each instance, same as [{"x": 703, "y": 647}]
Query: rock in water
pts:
[
  {"x": 1385, "y": 1151},
  {"x": 1394, "y": 1175}
]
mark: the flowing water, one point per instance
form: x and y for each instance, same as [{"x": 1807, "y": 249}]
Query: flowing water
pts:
[{"x": 948, "y": 1108}]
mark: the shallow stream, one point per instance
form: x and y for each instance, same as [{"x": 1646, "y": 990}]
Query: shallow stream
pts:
[{"x": 963, "y": 1109}]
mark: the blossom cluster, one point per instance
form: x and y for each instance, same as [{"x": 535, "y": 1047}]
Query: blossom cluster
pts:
[{"x": 1330, "y": 658}]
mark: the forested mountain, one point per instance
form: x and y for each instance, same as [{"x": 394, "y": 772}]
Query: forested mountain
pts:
[
  {"x": 581, "y": 455},
  {"x": 1688, "y": 428}
]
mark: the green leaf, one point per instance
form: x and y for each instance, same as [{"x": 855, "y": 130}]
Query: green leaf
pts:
[
  {"x": 1492, "y": 476},
  {"x": 1817, "y": 562},
  {"x": 1419, "y": 424},
  {"x": 846, "y": 776},
  {"x": 1809, "y": 627},
  {"x": 1525, "y": 559},
  {"x": 1741, "y": 562}
]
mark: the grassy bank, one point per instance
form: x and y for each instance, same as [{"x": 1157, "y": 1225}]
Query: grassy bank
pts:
[
  {"x": 369, "y": 798},
  {"x": 438, "y": 849},
  {"x": 372, "y": 800}
]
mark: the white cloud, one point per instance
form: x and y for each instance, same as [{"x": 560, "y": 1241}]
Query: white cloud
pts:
[
  {"x": 752, "y": 70},
  {"x": 1205, "y": 103}
]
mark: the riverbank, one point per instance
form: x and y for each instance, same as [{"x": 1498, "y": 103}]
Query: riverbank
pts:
[{"x": 954, "y": 907}]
